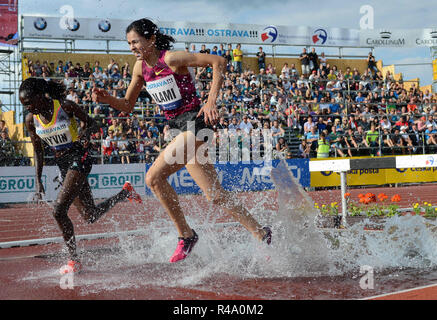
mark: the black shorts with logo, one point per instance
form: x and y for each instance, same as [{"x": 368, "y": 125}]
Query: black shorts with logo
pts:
[{"x": 77, "y": 158}]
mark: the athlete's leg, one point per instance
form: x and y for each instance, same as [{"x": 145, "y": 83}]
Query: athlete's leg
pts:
[
  {"x": 90, "y": 212},
  {"x": 70, "y": 189},
  {"x": 205, "y": 176},
  {"x": 156, "y": 180}
]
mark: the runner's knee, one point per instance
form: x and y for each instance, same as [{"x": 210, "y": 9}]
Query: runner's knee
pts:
[
  {"x": 153, "y": 180},
  {"x": 60, "y": 211}
]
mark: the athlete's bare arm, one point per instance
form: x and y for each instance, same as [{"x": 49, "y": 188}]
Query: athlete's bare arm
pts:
[
  {"x": 38, "y": 152},
  {"x": 88, "y": 125},
  {"x": 127, "y": 103},
  {"x": 179, "y": 61}
]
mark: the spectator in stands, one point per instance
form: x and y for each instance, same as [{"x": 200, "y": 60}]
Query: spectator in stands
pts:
[
  {"x": 238, "y": 58},
  {"x": 335, "y": 141},
  {"x": 305, "y": 62},
  {"x": 277, "y": 131},
  {"x": 109, "y": 147},
  {"x": 122, "y": 147},
  {"x": 312, "y": 137},
  {"x": 7, "y": 150},
  {"x": 430, "y": 135},
  {"x": 308, "y": 125},
  {"x": 281, "y": 149},
  {"x": 261, "y": 56},
  {"x": 323, "y": 61},
  {"x": 151, "y": 147},
  {"x": 304, "y": 149},
  {"x": 372, "y": 139},
  {"x": 314, "y": 60},
  {"x": 371, "y": 62},
  {"x": 3, "y": 127},
  {"x": 323, "y": 148},
  {"x": 116, "y": 127}
]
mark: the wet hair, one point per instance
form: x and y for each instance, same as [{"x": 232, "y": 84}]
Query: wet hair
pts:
[
  {"x": 147, "y": 29},
  {"x": 33, "y": 86}
]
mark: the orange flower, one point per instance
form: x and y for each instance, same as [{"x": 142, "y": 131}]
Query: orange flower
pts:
[
  {"x": 371, "y": 197},
  {"x": 347, "y": 195},
  {"x": 361, "y": 195},
  {"x": 396, "y": 198},
  {"x": 382, "y": 196}
]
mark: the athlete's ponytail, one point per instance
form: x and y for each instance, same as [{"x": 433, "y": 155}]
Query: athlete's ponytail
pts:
[
  {"x": 33, "y": 86},
  {"x": 147, "y": 29}
]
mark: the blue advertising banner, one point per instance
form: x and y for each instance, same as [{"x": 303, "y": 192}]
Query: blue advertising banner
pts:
[{"x": 240, "y": 176}]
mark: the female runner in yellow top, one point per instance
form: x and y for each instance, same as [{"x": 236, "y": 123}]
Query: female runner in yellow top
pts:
[{"x": 52, "y": 119}]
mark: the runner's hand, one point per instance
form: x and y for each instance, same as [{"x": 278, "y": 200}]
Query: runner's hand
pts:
[
  {"x": 210, "y": 113},
  {"x": 99, "y": 95}
]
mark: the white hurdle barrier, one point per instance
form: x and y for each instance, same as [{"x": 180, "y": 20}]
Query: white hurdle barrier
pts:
[{"x": 342, "y": 166}]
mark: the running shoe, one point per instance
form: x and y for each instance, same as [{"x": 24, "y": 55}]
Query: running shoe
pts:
[
  {"x": 131, "y": 193},
  {"x": 268, "y": 236},
  {"x": 185, "y": 245},
  {"x": 71, "y": 266}
]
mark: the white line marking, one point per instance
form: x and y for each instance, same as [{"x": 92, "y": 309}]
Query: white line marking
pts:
[
  {"x": 399, "y": 292},
  {"x": 24, "y": 243}
]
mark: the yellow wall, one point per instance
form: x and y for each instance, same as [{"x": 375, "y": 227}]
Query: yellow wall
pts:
[{"x": 16, "y": 133}]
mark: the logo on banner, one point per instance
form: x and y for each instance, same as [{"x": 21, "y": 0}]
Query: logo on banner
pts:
[
  {"x": 385, "y": 39},
  {"x": 320, "y": 36},
  {"x": 431, "y": 41},
  {"x": 429, "y": 161},
  {"x": 269, "y": 34},
  {"x": 104, "y": 26},
  {"x": 72, "y": 25},
  {"x": 40, "y": 24},
  {"x": 115, "y": 180}
]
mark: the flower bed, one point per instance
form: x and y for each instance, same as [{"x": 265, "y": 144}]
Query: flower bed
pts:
[{"x": 372, "y": 208}]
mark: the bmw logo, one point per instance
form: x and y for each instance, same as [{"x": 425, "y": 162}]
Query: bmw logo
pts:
[
  {"x": 104, "y": 26},
  {"x": 40, "y": 24},
  {"x": 73, "y": 25}
]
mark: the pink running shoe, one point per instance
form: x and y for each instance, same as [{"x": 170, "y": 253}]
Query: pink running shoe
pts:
[
  {"x": 71, "y": 266},
  {"x": 185, "y": 245},
  {"x": 132, "y": 194}
]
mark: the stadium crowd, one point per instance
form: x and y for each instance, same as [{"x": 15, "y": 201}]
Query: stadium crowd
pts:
[{"x": 333, "y": 112}]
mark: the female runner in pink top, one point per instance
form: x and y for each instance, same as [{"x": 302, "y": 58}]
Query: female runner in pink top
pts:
[{"x": 168, "y": 80}]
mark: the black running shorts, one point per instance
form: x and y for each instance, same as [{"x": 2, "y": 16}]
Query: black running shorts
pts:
[{"x": 77, "y": 158}]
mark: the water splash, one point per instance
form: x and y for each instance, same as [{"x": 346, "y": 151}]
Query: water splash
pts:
[{"x": 227, "y": 250}]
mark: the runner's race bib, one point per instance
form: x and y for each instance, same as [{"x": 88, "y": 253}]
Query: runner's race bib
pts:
[
  {"x": 56, "y": 137},
  {"x": 165, "y": 92}
]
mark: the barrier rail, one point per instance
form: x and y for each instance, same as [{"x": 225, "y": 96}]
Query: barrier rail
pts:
[{"x": 343, "y": 166}]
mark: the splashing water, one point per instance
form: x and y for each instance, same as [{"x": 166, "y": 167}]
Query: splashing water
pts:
[{"x": 298, "y": 249}]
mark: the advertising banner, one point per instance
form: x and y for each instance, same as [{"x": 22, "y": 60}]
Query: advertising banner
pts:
[
  {"x": 240, "y": 176},
  {"x": 182, "y": 31},
  {"x": 18, "y": 184},
  {"x": 401, "y": 38},
  {"x": 8, "y": 22}
]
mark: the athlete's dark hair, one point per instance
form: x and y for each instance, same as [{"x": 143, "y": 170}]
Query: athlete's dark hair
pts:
[
  {"x": 147, "y": 29},
  {"x": 33, "y": 86}
]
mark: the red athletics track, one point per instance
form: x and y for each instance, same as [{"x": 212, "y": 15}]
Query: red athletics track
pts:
[{"x": 30, "y": 272}]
